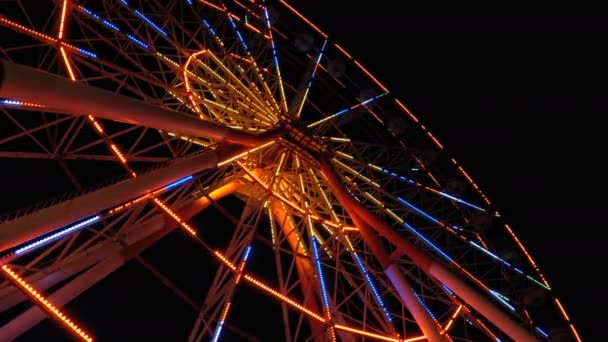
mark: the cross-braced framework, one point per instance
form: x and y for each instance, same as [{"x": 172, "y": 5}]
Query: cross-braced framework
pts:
[{"x": 333, "y": 206}]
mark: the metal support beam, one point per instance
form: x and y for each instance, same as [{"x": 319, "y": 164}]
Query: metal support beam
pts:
[
  {"x": 489, "y": 310},
  {"x": 424, "y": 320},
  {"x": 61, "y": 95},
  {"x": 45, "y": 220}
]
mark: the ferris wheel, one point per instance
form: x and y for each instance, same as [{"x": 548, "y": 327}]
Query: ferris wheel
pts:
[{"x": 244, "y": 127}]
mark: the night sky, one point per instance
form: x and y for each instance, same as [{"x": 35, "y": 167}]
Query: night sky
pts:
[{"x": 514, "y": 95}]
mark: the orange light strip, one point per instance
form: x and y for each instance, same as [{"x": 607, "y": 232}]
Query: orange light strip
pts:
[
  {"x": 343, "y": 51},
  {"x": 213, "y": 5},
  {"x": 303, "y": 18},
  {"x": 119, "y": 154},
  {"x": 225, "y": 260},
  {"x": 175, "y": 217},
  {"x": 523, "y": 249},
  {"x": 371, "y": 76},
  {"x": 452, "y": 319},
  {"x": 250, "y": 12},
  {"x": 128, "y": 204},
  {"x": 253, "y": 28},
  {"x": 410, "y": 114},
  {"x": 225, "y": 313},
  {"x": 43, "y": 303},
  {"x": 68, "y": 66},
  {"x": 367, "y": 333},
  {"x": 561, "y": 308},
  {"x": 62, "y": 20},
  {"x": 434, "y": 140},
  {"x": 466, "y": 175},
  {"x": 34, "y": 33},
  {"x": 284, "y": 298},
  {"x": 270, "y": 290},
  {"x": 96, "y": 124},
  {"x": 27, "y": 30}
]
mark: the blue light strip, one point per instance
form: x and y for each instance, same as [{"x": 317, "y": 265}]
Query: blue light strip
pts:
[
  {"x": 247, "y": 251},
  {"x": 371, "y": 284},
  {"x": 345, "y": 110},
  {"x": 114, "y": 27},
  {"x": 57, "y": 235},
  {"x": 320, "y": 273},
  {"x": 456, "y": 199},
  {"x": 137, "y": 41},
  {"x": 209, "y": 28},
  {"x": 238, "y": 33},
  {"x": 496, "y": 257},
  {"x": 447, "y": 289},
  {"x": 424, "y": 306},
  {"x": 87, "y": 11},
  {"x": 490, "y": 254},
  {"x": 371, "y": 99},
  {"x": 540, "y": 331},
  {"x": 98, "y": 18},
  {"x": 150, "y": 22},
  {"x": 12, "y": 102},
  {"x": 86, "y": 52},
  {"x": 189, "y": 2},
  {"x": 427, "y": 241},
  {"x": 218, "y": 331},
  {"x": 176, "y": 183},
  {"x": 341, "y": 112},
  {"x": 276, "y": 59},
  {"x": 314, "y": 70},
  {"x": 419, "y": 211},
  {"x": 502, "y": 299},
  {"x": 110, "y": 25},
  {"x": 274, "y": 50}
]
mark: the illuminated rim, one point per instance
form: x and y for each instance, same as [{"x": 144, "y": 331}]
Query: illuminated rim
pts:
[{"x": 253, "y": 67}]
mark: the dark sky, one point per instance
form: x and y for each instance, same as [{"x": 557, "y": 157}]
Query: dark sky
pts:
[{"x": 516, "y": 96}]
